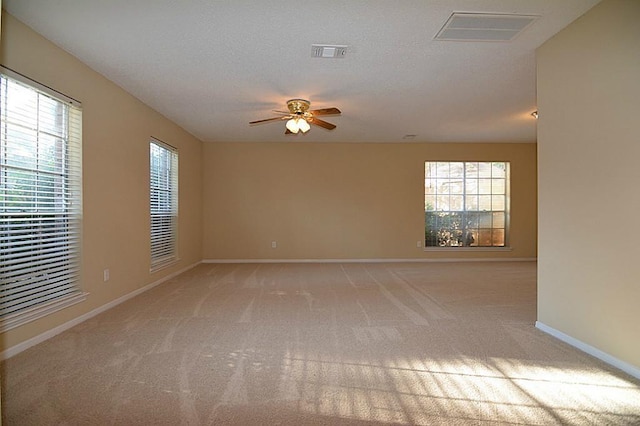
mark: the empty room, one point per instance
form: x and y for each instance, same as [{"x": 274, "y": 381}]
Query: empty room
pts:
[{"x": 319, "y": 213}]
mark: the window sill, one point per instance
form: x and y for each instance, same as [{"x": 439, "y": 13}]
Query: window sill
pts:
[
  {"x": 162, "y": 265},
  {"x": 19, "y": 318},
  {"x": 468, "y": 249}
]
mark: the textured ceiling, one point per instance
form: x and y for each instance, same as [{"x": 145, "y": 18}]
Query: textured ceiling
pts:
[{"x": 213, "y": 66}]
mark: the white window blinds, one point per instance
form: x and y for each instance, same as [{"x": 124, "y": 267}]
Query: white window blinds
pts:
[
  {"x": 163, "y": 203},
  {"x": 40, "y": 200}
]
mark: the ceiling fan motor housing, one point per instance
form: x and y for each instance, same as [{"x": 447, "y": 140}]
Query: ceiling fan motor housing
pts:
[{"x": 298, "y": 106}]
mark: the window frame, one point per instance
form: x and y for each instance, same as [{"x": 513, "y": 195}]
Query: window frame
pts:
[
  {"x": 462, "y": 225},
  {"x": 40, "y": 203},
  {"x": 163, "y": 204}
]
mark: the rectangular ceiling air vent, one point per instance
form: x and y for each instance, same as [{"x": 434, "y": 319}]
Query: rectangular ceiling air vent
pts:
[
  {"x": 483, "y": 27},
  {"x": 328, "y": 51}
]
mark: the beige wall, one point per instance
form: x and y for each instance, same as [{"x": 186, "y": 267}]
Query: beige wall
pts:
[
  {"x": 342, "y": 201},
  {"x": 589, "y": 180},
  {"x": 116, "y": 132}
]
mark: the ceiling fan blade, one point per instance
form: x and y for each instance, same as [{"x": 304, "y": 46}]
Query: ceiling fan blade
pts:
[
  {"x": 325, "y": 111},
  {"x": 268, "y": 119},
  {"x": 322, "y": 123}
]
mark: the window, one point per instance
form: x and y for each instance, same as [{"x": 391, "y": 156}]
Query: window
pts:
[
  {"x": 163, "y": 203},
  {"x": 40, "y": 200},
  {"x": 466, "y": 204}
]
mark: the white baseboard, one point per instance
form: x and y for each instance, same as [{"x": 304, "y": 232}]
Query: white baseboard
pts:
[
  {"x": 603, "y": 356},
  {"x": 378, "y": 260},
  {"x": 14, "y": 350}
]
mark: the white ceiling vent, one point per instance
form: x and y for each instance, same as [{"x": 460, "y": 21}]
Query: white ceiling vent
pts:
[
  {"x": 328, "y": 51},
  {"x": 484, "y": 27}
]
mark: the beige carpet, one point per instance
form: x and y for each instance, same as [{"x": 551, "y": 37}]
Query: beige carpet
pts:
[{"x": 298, "y": 344}]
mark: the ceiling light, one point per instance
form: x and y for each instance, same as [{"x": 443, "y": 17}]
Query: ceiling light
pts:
[
  {"x": 300, "y": 117},
  {"x": 292, "y": 125},
  {"x": 303, "y": 125},
  {"x": 298, "y": 124},
  {"x": 534, "y": 114}
]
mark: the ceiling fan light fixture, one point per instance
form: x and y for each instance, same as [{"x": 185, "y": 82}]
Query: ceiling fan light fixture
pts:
[
  {"x": 292, "y": 125},
  {"x": 300, "y": 117},
  {"x": 303, "y": 125}
]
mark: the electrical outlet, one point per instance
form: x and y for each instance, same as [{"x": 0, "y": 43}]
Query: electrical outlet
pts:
[
  {"x": 419, "y": 244},
  {"x": 105, "y": 275},
  {"x": 274, "y": 244}
]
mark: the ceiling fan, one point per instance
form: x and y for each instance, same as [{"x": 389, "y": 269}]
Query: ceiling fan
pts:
[{"x": 300, "y": 116}]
